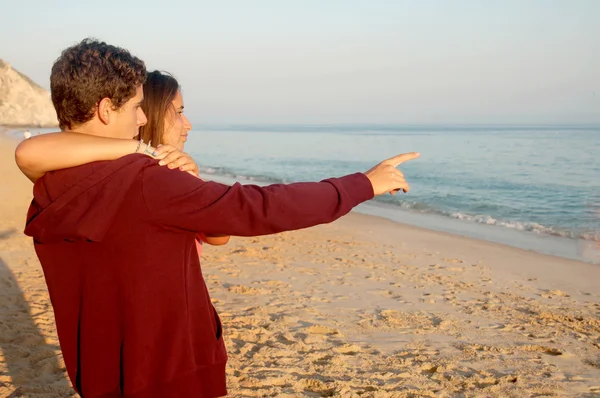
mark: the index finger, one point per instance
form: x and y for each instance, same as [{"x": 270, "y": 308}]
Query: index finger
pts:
[{"x": 404, "y": 157}]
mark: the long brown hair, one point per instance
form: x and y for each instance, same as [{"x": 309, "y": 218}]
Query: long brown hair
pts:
[{"x": 160, "y": 90}]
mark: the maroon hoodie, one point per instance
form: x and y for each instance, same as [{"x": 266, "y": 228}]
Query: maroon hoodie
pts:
[{"x": 116, "y": 242}]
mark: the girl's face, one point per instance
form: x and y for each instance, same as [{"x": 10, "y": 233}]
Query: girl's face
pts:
[{"x": 176, "y": 124}]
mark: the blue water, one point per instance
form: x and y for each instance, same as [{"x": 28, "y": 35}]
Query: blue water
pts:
[
  {"x": 528, "y": 181},
  {"x": 534, "y": 187}
]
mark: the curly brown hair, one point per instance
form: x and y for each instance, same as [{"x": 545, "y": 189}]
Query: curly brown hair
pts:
[{"x": 86, "y": 73}]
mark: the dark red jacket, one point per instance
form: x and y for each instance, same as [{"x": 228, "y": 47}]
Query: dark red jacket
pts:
[{"x": 116, "y": 242}]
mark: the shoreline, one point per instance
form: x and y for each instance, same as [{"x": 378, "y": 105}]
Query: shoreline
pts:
[
  {"x": 556, "y": 246},
  {"x": 577, "y": 249},
  {"x": 372, "y": 219},
  {"x": 587, "y": 251}
]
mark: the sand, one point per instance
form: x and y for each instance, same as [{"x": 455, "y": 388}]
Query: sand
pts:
[{"x": 363, "y": 307}]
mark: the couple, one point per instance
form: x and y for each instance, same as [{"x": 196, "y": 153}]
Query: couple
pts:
[{"x": 116, "y": 235}]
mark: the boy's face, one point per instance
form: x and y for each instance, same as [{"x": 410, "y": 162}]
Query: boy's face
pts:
[{"x": 130, "y": 117}]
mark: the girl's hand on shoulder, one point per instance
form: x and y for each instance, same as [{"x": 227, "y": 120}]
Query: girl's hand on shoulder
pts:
[{"x": 174, "y": 158}]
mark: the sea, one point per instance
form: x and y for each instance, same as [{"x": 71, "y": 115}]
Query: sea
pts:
[{"x": 532, "y": 187}]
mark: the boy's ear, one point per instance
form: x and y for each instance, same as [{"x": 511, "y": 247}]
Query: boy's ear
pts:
[{"x": 105, "y": 110}]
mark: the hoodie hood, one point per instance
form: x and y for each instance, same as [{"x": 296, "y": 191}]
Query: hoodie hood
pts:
[{"x": 81, "y": 203}]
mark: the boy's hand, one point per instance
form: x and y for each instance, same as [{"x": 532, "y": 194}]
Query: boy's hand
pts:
[{"x": 385, "y": 177}]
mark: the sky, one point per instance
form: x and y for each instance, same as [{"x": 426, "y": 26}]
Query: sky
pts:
[{"x": 329, "y": 61}]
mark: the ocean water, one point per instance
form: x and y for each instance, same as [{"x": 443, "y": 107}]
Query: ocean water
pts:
[{"x": 534, "y": 187}]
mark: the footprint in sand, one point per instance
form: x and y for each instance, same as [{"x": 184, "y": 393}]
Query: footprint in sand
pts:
[
  {"x": 319, "y": 299},
  {"x": 274, "y": 283},
  {"x": 322, "y": 359},
  {"x": 453, "y": 260},
  {"x": 389, "y": 294},
  {"x": 347, "y": 349},
  {"x": 542, "y": 349},
  {"x": 426, "y": 298},
  {"x": 319, "y": 329},
  {"x": 429, "y": 368},
  {"x": 231, "y": 271},
  {"x": 241, "y": 289},
  {"x": 437, "y": 266},
  {"x": 40, "y": 355},
  {"x": 29, "y": 339},
  {"x": 314, "y": 386},
  {"x": 553, "y": 293},
  {"x": 49, "y": 366},
  {"x": 595, "y": 363}
]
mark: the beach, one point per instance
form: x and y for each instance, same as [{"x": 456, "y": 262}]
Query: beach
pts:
[{"x": 363, "y": 307}]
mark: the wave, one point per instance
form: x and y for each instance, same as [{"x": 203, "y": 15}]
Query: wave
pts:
[
  {"x": 529, "y": 227},
  {"x": 230, "y": 173},
  {"x": 425, "y": 208},
  {"x": 487, "y": 219},
  {"x": 490, "y": 220}
]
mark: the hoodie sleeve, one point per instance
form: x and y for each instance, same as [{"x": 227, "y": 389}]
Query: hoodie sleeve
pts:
[{"x": 178, "y": 199}]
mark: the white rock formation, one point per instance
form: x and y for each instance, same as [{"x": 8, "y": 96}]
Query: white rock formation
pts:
[{"x": 22, "y": 102}]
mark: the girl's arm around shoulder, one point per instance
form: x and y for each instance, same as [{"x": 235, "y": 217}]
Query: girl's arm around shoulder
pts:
[{"x": 54, "y": 151}]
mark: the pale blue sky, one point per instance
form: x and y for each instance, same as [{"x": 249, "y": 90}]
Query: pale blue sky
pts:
[{"x": 340, "y": 61}]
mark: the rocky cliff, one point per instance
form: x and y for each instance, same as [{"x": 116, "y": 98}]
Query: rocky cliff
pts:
[{"x": 22, "y": 102}]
